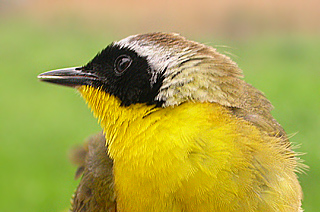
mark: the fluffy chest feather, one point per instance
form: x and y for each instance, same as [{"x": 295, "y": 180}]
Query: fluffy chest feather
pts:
[{"x": 194, "y": 157}]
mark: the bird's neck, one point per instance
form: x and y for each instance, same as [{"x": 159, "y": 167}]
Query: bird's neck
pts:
[{"x": 114, "y": 118}]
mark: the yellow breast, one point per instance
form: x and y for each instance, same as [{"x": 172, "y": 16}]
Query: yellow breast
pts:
[{"x": 193, "y": 157}]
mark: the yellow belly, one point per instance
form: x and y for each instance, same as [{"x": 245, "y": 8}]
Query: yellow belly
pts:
[{"x": 193, "y": 157}]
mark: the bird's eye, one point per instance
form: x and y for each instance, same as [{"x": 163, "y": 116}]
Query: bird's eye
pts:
[{"x": 122, "y": 63}]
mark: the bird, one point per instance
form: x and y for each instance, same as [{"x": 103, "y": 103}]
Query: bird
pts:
[{"x": 182, "y": 131}]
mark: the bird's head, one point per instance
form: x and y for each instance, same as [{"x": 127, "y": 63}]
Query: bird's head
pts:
[
  {"x": 162, "y": 69},
  {"x": 159, "y": 70}
]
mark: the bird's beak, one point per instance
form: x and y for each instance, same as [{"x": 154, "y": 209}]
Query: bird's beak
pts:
[{"x": 72, "y": 77}]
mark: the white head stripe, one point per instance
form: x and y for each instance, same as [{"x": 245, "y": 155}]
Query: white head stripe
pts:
[{"x": 159, "y": 57}]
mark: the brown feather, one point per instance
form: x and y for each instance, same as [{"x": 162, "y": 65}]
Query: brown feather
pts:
[{"x": 95, "y": 191}]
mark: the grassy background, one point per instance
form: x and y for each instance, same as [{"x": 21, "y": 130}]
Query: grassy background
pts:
[{"x": 40, "y": 122}]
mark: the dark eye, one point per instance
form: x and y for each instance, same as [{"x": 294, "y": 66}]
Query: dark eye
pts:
[{"x": 122, "y": 63}]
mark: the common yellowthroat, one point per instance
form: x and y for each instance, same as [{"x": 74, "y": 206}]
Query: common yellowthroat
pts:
[{"x": 183, "y": 132}]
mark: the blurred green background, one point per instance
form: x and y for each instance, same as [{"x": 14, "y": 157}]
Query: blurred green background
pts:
[{"x": 276, "y": 44}]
